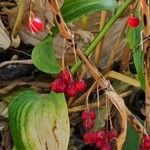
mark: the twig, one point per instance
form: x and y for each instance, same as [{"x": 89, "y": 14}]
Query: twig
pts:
[
  {"x": 27, "y": 61},
  {"x": 83, "y": 107},
  {"x": 131, "y": 118},
  {"x": 98, "y": 50},
  {"x": 135, "y": 123},
  {"x": 93, "y": 105},
  {"x": 110, "y": 74},
  {"x": 14, "y": 84},
  {"x": 110, "y": 93},
  {"x": 7, "y": 4},
  {"x": 21, "y": 9}
]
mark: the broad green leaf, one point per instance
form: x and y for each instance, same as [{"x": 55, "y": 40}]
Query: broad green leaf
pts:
[
  {"x": 39, "y": 121},
  {"x": 134, "y": 41},
  {"x": 132, "y": 140},
  {"x": 43, "y": 54},
  {"x": 74, "y": 9},
  {"x": 43, "y": 57}
]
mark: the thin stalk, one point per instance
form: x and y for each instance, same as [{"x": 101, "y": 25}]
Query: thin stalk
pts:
[
  {"x": 98, "y": 50},
  {"x": 21, "y": 11},
  {"x": 101, "y": 34}
]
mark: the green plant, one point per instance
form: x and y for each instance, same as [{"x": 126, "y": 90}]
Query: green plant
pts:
[{"x": 31, "y": 104}]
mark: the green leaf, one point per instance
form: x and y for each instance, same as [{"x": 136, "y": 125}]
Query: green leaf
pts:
[
  {"x": 132, "y": 139},
  {"x": 43, "y": 57},
  {"x": 39, "y": 121},
  {"x": 74, "y": 9},
  {"x": 133, "y": 39}
]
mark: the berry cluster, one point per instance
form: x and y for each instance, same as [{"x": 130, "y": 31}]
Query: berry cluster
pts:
[
  {"x": 133, "y": 21},
  {"x": 65, "y": 83},
  {"x": 88, "y": 119},
  {"x": 102, "y": 138},
  {"x": 146, "y": 143}
]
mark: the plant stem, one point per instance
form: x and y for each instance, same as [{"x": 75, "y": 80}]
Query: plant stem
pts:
[
  {"x": 98, "y": 50},
  {"x": 101, "y": 34}
]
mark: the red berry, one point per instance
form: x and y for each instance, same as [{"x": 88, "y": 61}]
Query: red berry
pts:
[
  {"x": 101, "y": 135},
  {"x": 146, "y": 137},
  {"x": 57, "y": 86},
  {"x": 80, "y": 85},
  {"x": 106, "y": 147},
  {"x": 146, "y": 142},
  {"x": 87, "y": 138},
  {"x": 71, "y": 90},
  {"x": 113, "y": 134},
  {"x": 86, "y": 115},
  {"x": 133, "y": 21},
  {"x": 88, "y": 124},
  {"x": 92, "y": 115},
  {"x": 94, "y": 137},
  {"x": 66, "y": 76},
  {"x": 36, "y": 25}
]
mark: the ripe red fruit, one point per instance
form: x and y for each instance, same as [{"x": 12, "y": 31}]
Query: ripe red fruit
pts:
[
  {"x": 71, "y": 90},
  {"x": 101, "y": 135},
  {"x": 80, "y": 85},
  {"x": 146, "y": 141},
  {"x": 86, "y": 115},
  {"x": 92, "y": 115},
  {"x": 112, "y": 134},
  {"x": 146, "y": 144},
  {"x": 88, "y": 124},
  {"x": 36, "y": 25},
  {"x": 57, "y": 86},
  {"x": 87, "y": 138},
  {"x": 94, "y": 137},
  {"x": 106, "y": 147},
  {"x": 66, "y": 76},
  {"x": 133, "y": 21}
]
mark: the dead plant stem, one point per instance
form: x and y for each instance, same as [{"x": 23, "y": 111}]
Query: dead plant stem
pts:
[
  {"x": 98, "y": 50},
  {"x": 5, "y": 63}
]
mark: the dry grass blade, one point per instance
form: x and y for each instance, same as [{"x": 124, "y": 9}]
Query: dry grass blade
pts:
[
  {"x": 110, "y": 93},
  {"x": 5, "y": 63},
  {"x": 98, "y": 50},
  {"x": 135, "y": 123},
  {"x": 18, "y": 22},
  {"x": 114, "y": 49},
  {"x": 123, "y": 78},
  {"x": 64, "y": 31}
]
